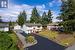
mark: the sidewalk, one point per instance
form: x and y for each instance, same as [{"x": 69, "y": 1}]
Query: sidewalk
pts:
[
  {"x": 22, "y": 38},
  {"x": 71, "y": 47}
]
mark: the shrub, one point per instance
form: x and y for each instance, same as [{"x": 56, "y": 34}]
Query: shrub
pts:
[
  {"x": 30, "y": 39},
  {"x": 7, "y": 42}
]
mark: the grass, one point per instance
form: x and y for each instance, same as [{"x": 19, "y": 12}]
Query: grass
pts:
[
  {"x": 67, "y": 41},
  {"x": 49, "y": 34}
]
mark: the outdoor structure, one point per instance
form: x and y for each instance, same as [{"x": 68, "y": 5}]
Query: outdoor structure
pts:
[
  {"x": 4, "y": 27},
  {"x": 52, "y": 26},
  {"x": 32, "y": 27},
  {"x": 17, "y": 27}
]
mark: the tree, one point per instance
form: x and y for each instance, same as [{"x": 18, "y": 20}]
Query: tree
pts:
[
  {"x": 24, "y": 15},
  {"x": 0, "y": 19},
  {"x": 10, "y": 26},
  {"x": 44, "y": 19},
  {"x": 49, "y": 16},
  {"x": 68, "y": 15},
  {"x": 20, "y": 20},
  {"x": 35, "y": 17}
]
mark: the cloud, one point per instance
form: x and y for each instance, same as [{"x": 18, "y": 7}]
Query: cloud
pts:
[
  {"x": 50, "y": 4},
  {"x": 55, "y": 14},
  {"x": 13, "y": 10},
  {"x": 40, "y": 6},
  {"x": 55, "y": 3}
]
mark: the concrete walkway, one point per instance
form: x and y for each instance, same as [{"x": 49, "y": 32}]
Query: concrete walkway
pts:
[{"x": 22, "y": 39}]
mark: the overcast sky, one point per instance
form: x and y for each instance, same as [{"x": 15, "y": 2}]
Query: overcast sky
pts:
[{"x": 16, "y": 6}]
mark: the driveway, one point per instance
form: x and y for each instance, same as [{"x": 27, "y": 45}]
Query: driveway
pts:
[{"x": 45, "y": 44}]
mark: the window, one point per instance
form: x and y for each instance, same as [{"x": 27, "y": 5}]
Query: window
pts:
[{"x": 38, "y": 26}]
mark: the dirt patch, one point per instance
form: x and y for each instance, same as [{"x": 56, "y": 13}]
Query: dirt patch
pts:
[{"x": 63, "y": 36}]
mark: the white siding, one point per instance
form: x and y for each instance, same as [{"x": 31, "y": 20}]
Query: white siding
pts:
[
  {"x": 4, "y": 29},
  {"x": 31, "y": 29},
  {"x": 50, "y": 27},
  {"x": 17, "y": 27}
]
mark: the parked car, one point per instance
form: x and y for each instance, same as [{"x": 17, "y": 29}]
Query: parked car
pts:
[
  {"x": 61, "y": 29},
  {"x": 23, "y": 33}
]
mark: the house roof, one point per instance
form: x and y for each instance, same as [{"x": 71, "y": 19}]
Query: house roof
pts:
[
  {"x": 52, "y": 24},
  {"x": 33, "y": 24},
  {"x": 4, "y": 25}
]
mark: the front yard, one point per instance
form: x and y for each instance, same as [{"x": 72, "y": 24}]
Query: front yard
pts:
[{"x": 62, "y": 39}]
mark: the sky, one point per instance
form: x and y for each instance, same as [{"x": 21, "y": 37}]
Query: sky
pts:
[{"x": 17, "y": 6}]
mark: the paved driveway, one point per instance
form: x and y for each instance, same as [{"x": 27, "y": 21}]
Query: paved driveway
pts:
[{"x": 45, "y": 44}]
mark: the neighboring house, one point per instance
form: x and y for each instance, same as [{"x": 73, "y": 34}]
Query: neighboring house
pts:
[
  {"x": 32, "y": 28},
  {"x": 4, "y": 27},
  {"x": 17, "y": 27},
  {"x": 52, "y": 26}
]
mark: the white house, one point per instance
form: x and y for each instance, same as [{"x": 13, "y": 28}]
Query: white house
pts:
[
  {"x": 17, "y": 27},
  {"x": 52, "y": 25},
  {"x": 32, "y": 28},
  {"x": 4, "y": 27}
]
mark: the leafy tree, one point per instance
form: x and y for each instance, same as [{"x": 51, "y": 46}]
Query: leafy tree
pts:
[
  {"x": 49, "y": 16},
  {"x": 20, "y": 20},
  {"x": 35, "y": 17}
]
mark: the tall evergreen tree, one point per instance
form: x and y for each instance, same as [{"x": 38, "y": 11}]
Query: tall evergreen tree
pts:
[
  {"x": 35, "y": 17},
  {"x": 68, "y": 15},
  {"x": 44, "y": 21},
  {"x": 20, "y": 20},
  {"x": 24, "y": 15},
  {"x": 49, "y": 16}
]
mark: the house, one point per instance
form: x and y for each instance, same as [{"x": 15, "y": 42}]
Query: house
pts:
[
  {"x": 32, "y": 27},
  {"x": 52, "y": 26},
  {"x": 17, "y": 27},
  {"x": 4, "y": 26}
]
